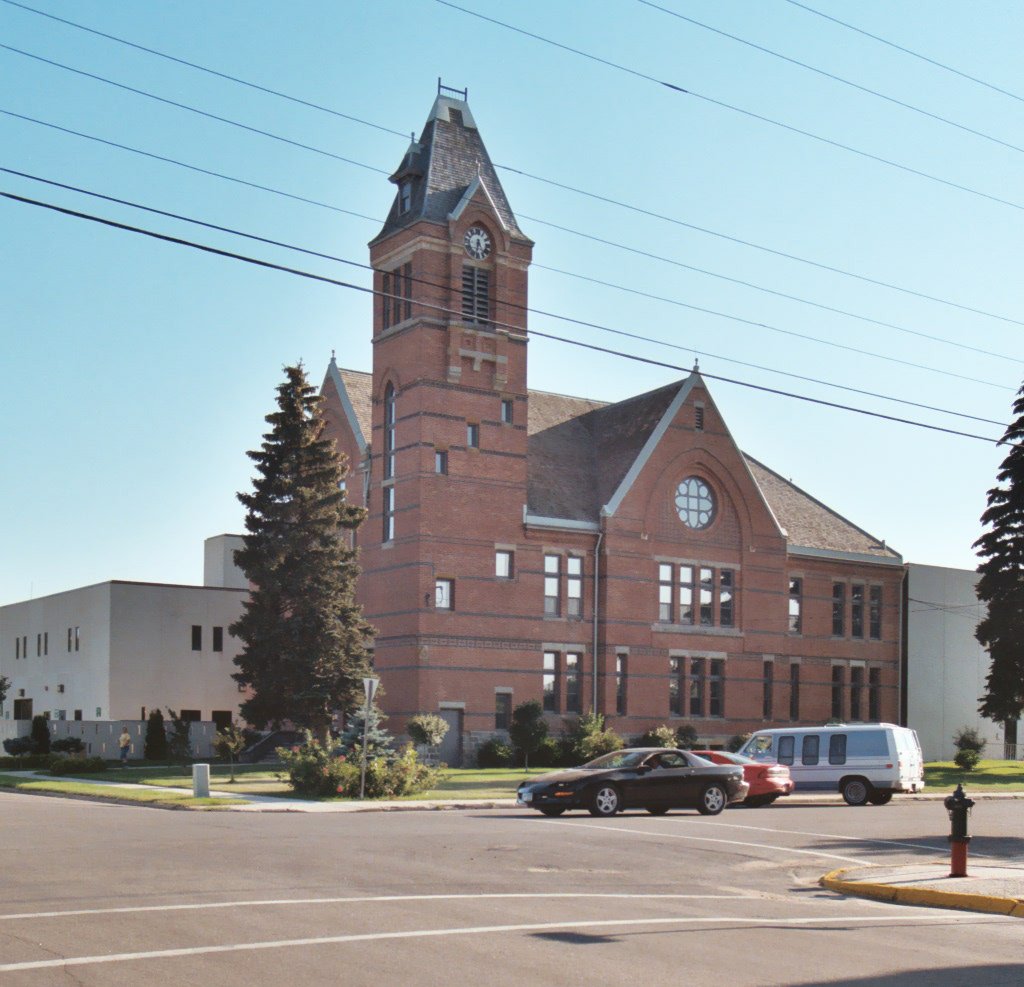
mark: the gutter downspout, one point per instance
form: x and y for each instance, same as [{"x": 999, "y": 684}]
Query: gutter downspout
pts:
[{"x": 597, "y": 575}]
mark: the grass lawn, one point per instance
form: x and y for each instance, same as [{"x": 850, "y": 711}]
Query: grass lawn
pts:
[
  {"x": 988, "y": 776},
  {"x": 148, "y": 796}
]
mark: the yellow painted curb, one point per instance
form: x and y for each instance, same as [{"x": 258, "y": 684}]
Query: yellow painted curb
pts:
[{"x": 928, "y": 897}]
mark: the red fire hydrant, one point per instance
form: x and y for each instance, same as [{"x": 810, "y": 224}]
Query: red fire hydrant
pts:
[{"x": 959, "y": 807}]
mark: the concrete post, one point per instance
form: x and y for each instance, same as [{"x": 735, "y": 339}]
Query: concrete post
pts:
[{"x": 201, "y": 781}]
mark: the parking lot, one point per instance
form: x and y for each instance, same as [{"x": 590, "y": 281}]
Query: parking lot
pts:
[{"x": 106, "y": 894}]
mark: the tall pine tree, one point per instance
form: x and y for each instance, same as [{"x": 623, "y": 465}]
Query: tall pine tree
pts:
[
  {"x": 305, "y": 639},
  {"x": 1001, "y": 585}
]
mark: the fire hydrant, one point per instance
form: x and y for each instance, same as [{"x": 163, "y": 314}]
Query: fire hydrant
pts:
[{"x": 959, "y": 807}]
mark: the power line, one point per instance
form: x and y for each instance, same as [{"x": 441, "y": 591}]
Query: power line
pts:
[
  {"x": 513, "y": 170},
  {"x": 586, "y": 324},
  {"x": 596, "y": 239},
  {"x": 739, "y": 109},
  {"x": 513, "y": 332},
  {"x": 907, "y": 51},
  {"x": 835, "y": 78}
]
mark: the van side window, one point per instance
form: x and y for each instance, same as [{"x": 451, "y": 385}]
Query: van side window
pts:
[
  {"x": 810, "y": 751},
  {"x": 868, "y": 743},
  {"x": 837, "y": 749},
  {"x": 786, "y": 746}
]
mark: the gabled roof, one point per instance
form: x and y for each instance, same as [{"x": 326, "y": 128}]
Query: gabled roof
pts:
[
  {"x": 580, "y": 451},
  {"x": 447, "y": 160}
]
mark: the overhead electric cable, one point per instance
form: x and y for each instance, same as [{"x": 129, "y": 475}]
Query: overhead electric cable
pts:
[
  {"x": 509, "y": 168},
  {"x": 835, "y": 78},
  {"x": 739, "y": 109},
  {"x": 512, "y": 332},
  {"x": 908, "y": 51},
  {"x": 643, "y": 253},
  {"x": 565, "y": 318}
]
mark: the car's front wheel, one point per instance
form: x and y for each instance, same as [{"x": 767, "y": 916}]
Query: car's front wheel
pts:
[
  {"x": 712, "y": 800},
  {"x": 605, "y": 801},
  {"x": 856, "y": 791},
  {"x": 552, "y": 810}
]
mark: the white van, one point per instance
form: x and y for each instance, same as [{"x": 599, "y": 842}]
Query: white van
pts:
[{"x": 866, "y": 762}]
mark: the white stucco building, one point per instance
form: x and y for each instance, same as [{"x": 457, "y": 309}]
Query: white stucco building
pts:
[
  {"x": 116, "y": 650},
  {"x": 946, "y": 666}
]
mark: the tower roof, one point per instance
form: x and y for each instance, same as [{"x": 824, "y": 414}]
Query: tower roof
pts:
[{"x": 447, "y": 161}]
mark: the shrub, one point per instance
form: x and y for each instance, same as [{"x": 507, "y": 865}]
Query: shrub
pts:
[
  {"x": 967, "y": 759},
  {"x": 19, "y": 747},
  {"x": 529, "y": 731},
  {"x": 68, "y": 745},
  {"x": 736, "y": 741},
  {"x": 663, "y": 736},
  {"x": 548, "y": 754},
  {"x": 155, "y": 745},
  {"x": 28, "y": 762},
  {"x": 427, "y": 729},
  {"x": 686, "y": 737},
  {"x": 494, "y": 753},
  {"x": 968, "y": 739},
  {"x": 404, "y": 774},
  {"x": 587, "y": 738},
  {"x": 180, "y": 741},
  {"x": 41, "y": 734},
  {"x": 313, "y": 771},
  {"x": 77, "y": 765}
]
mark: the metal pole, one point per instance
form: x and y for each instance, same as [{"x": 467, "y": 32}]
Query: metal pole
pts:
[{"x": 362, "y": 772}]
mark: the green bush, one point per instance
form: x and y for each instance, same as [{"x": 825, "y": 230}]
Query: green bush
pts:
[
  {"x": 76, "y": 765},
  {"x": 30, "y": 762},
  {"x": 587, "y": 738},
  {"x": 20, "y": 746},
  {"x": 548, "y": 754},
  {"x": 427, "y": 729},
  {"x": 686, "y": 737},
  {"x": 68, "y": 745},
  {"x": 967, "y": 759},
  {"x": 41, "y": 733},
  {"x": 529, "y": 730},
  {"x": 494, "y": 753},
  {"x": 313, "y": 771},
  {"x": 663, "y": 736},
  {"x": 736, "y": 741}
]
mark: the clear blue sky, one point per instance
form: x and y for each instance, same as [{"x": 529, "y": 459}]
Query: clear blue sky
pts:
[{"x": 137, "y": 373}]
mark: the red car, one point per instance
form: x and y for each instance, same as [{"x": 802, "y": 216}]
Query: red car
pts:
[{"x": 767, "y": 781}]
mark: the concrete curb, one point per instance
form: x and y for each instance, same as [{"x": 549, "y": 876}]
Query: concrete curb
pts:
[{"x": 927, "y": 897}]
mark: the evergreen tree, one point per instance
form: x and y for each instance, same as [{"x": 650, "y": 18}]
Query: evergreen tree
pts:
[
  {"x": 305, "y": 639},
  {"x": 155, "y": 745},
  {"x": 1001, "y": 585},
  {"x": 41, "y": 734},
  {"x": 379, "y": 743},
  {"x": 180, "y": 741}
]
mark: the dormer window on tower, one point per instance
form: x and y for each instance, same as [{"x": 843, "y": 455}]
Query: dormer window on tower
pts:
[{"x": 404, "y": 196}]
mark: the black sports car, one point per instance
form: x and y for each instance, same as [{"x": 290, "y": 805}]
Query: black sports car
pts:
[{"x": 653, "y": 778}]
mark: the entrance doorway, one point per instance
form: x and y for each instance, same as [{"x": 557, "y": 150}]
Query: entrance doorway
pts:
[{"x": 450, "y": 750}]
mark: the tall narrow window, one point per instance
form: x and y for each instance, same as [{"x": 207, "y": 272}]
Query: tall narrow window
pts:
[
  {"x": 197, "y": 637},
  {"x": 476, "y": 302},
  {"x": 218, "y": 639},
  {"x": 707, "y": 597},
  {"x": 686, "y": 594},
  {"x": 550, "y": 682},
  {"x": 552, "y": 585},
  {"x": 796, "y": 604},
  {"x": 388, "y": 510},
  {"x": 507, "y": 408},
  {"x": 856, "y": 691},
  {"x": 39, "y": 645},
  {"x": 696, "y": 687},
  {"x": 621, "y": 675},
  {"x": 572, "y": 683},
  {"x": 665, "y": 587},
  {"x": 768, "y": 685},
  {"x": 444, "y": 594},
  {"x": 389, "y": 432},
  {"x": 574, "y": 586},
  {"x": 502, "y": 710},
  {"x": 675, "y": 686},
  {"x": 725, "y": 598},
  {"x": 698, "y": 417},
  {"x": 857, "y": 610},
  {"x": 472, "y": 435},
  {"x": 503, "y": 564},
  {"x": 838, "y": 681},
  {"x": 17, "y": 648},
  {"x": 838, "y": 609},
  {"x": 874, "y": 694},
  {"x": 46, "y": 642},
  {"x": 69, "y": 639},
  {"x": 875, "y": 613},
  {"x": 794, "y": 691},
  {"x": 441, "y": 461},
  {"x": 78, "y": 637},
  {"x": 405, "y": 196},
  {"x": 387, "y": 304},
  {"x": 716, "y": 687}
]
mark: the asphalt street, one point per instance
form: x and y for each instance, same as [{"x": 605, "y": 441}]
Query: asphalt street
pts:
[{"x": 101, "y": 894}]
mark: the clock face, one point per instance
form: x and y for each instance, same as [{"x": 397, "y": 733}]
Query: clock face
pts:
[
  {"x": 695, "y": 503},
  {"x": 477, "y": 242}
]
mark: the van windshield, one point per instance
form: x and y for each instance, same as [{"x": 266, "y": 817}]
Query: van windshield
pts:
[{"x": 758, "y": 747}]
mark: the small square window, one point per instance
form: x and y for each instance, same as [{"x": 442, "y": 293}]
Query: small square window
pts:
[
  {"x": 441, "y": 461},
  {"x": 472, "y": 435},
  {"x": 507, "y": 409},
  {"x": 444, "y": 594},
  {"x": 504, "y": 566}
]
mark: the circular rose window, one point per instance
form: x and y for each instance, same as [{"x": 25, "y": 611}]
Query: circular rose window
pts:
[{"x": 695, "y": 503}]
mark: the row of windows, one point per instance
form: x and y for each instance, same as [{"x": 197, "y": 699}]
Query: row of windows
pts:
[
  {"x": 810, "y": 748},
  {"x": 217, "y": 638},
  {"x": 846, "y": 704},
  {"x": 43, "y": 643},
  {"x": 710, "y": 601},
  {"x": 864, "y": 602}
]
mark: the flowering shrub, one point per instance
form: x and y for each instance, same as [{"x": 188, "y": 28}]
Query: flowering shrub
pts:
[
  {"x": 404, "y": 774},
  {"x": 313, "y": 771}
]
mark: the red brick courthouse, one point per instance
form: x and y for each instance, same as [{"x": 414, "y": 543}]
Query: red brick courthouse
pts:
[{"x": 526, "y": 545}]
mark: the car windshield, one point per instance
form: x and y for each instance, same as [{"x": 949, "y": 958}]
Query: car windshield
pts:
[{"x": 617, "y": 759}]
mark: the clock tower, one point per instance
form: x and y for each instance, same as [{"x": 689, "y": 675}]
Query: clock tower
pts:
[{"x": 449, "y": 436}]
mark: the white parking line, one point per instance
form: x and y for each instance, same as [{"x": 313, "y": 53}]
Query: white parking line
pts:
[
  {"x": 268, "y": 902},
  {"x": 163, "y": 954},
  {"x": 658, "y": 835}
]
